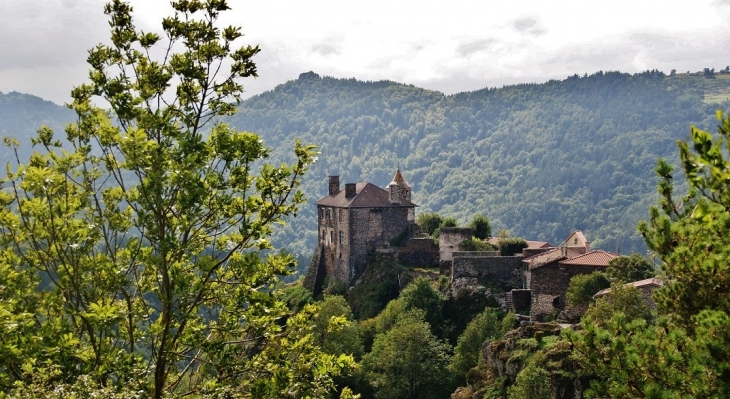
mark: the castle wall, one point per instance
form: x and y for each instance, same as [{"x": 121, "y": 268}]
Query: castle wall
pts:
[
  {"x": 449, "y": 239},
  {"x": 420, "y": 252},
  {"x": 334, "y": 234},
  {"x": 370, "y": 228},
  {"x": 504, "y": 269}
]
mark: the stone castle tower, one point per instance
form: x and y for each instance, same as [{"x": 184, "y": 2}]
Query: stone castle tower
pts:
[{"x": 353, "y": 222}]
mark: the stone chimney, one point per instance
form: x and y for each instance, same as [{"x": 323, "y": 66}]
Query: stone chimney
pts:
[
  {"x": 334, "y": 185},
  {"x": 349, "y": 189}
]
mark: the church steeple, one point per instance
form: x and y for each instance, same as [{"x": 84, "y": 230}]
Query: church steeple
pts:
[{"x": 399, "y": 190}]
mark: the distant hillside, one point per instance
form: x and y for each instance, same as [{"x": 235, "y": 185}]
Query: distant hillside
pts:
[
  {"x": 22, "y": 114},
  {"x": 539, "y": 159}
]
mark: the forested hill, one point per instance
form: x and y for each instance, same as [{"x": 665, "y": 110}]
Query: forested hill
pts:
[
  {"x": 22, "y": 114},
  {"x": 539, "y": 159}
]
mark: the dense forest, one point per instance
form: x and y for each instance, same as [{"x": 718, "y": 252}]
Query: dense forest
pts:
[{"x": 540, "y": 160}]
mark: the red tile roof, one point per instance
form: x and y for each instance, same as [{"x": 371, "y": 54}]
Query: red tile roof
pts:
[
  {"x": 596, "y": 258},
  {"x": 367, "y": 195}
]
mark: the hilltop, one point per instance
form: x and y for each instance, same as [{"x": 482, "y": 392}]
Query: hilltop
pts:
[{"x": 541, "y": 160}]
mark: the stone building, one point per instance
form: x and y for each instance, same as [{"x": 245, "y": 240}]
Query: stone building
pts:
[
  {"x": 548, "y": 274},
  {"x": 353, "y": 222}
]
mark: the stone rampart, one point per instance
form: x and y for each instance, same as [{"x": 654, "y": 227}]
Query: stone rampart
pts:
[
  {"x": 504, "y": 269},
  {"x": 419, "y": 252}
]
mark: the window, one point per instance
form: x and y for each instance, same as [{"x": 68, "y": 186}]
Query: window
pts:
[
  {"x": 342, "y": 237},
  {"x": 340, "y": 215},
  {"x": 323, "y": 235},
  {"x": 332, "y": 236}
]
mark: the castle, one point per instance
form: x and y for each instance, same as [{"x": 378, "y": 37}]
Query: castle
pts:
[
  {"x": 363, "y": 218},
  {"x": 353, "y": 222}
]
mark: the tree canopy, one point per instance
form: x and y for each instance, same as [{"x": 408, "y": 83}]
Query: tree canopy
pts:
[{"x": 135, "y": 253}]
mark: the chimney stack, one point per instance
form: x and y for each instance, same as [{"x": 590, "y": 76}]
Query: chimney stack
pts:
[
  {"x": 349, "y": 189},
  {"x": 334, "y": 185}
]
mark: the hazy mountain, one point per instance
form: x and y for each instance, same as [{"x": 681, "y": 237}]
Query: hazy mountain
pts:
[{"x": 539, "y": 159}]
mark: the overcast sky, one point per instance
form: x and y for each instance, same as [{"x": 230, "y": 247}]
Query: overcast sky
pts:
[{"x": 449, "y": 46}]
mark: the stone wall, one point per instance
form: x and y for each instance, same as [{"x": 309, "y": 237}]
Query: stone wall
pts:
[
  {"x": 504, "y": 269},
  {"x": 419, "y": 252},
  {"x": 449, "y": 239},
  {"x": 521, "y": 300},
  {"x": 371, "y": 228},
  {"x": 549, "y": 284}
]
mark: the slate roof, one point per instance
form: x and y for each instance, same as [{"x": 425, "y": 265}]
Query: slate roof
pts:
[
  {"x": 596, "y": 258},
  {"x": 649, "y": 282},
  {"x": 550, "y": 256},
  {"x": 367, "y": 195},
  {"x": 399, "y": 180}
]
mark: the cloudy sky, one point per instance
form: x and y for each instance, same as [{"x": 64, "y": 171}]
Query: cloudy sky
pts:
[{"x": 450, "y": 46}]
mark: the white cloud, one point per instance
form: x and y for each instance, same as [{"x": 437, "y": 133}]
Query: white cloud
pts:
[{"x": 455, "y": 46}]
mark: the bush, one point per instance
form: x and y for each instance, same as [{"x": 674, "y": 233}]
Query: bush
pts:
[
  {"x": 583, "y": 286},
  {"x": 511, "y": 246},
  {"x": 475, "y": 245},
  {"x": 429, "y": 222}
]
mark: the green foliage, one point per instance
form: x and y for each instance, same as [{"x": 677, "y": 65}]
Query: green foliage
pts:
[
  {"x": 630, "y": 358},
  {"x": 334, "y": 329},
  {"x": 138, "y": 250},
  {"x": 376, "y": 287},
  {"x": 532, "y": 383},
  {"x": 484, "y": 327},
  {"x": 420, "y": 294},
  {"x": 296, "y": 296},
  {"x": 630, "y": 268},
  {"x": 511, "y": 245},
  {"x": 582, "y": 287},
  {"x": 429, "y": 222},
  {"x": 481, "y": 227},
  {"x": 623, "y": 299},
  {"x": 475, "y": 244},
  {"x": 690, "y": 235},
  {"x": 449, "y": 222},
  {"x": 408, "y": 361}
]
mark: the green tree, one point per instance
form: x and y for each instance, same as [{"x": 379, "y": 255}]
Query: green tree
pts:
[
  {"x": 429, "y": 222},
  {"x": 485, "y": 326},
  {"x": 449, "y": 222},
  {"x": 140, "y": 243},
  {"x": 408, "y": 361},
  {"x": 420, "y": 294},
  {"x": 511, "y": 245},
  {"x": 481, "y": 227},
  {"x": 334, "y": 329},
  {"x": 582, "y": 287},
  {"x": 532, "y": 383},
  {"x": 624, "y": 299},
  {"x": 630, "y": 268},
  {"x": 691, "y": 235}
]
